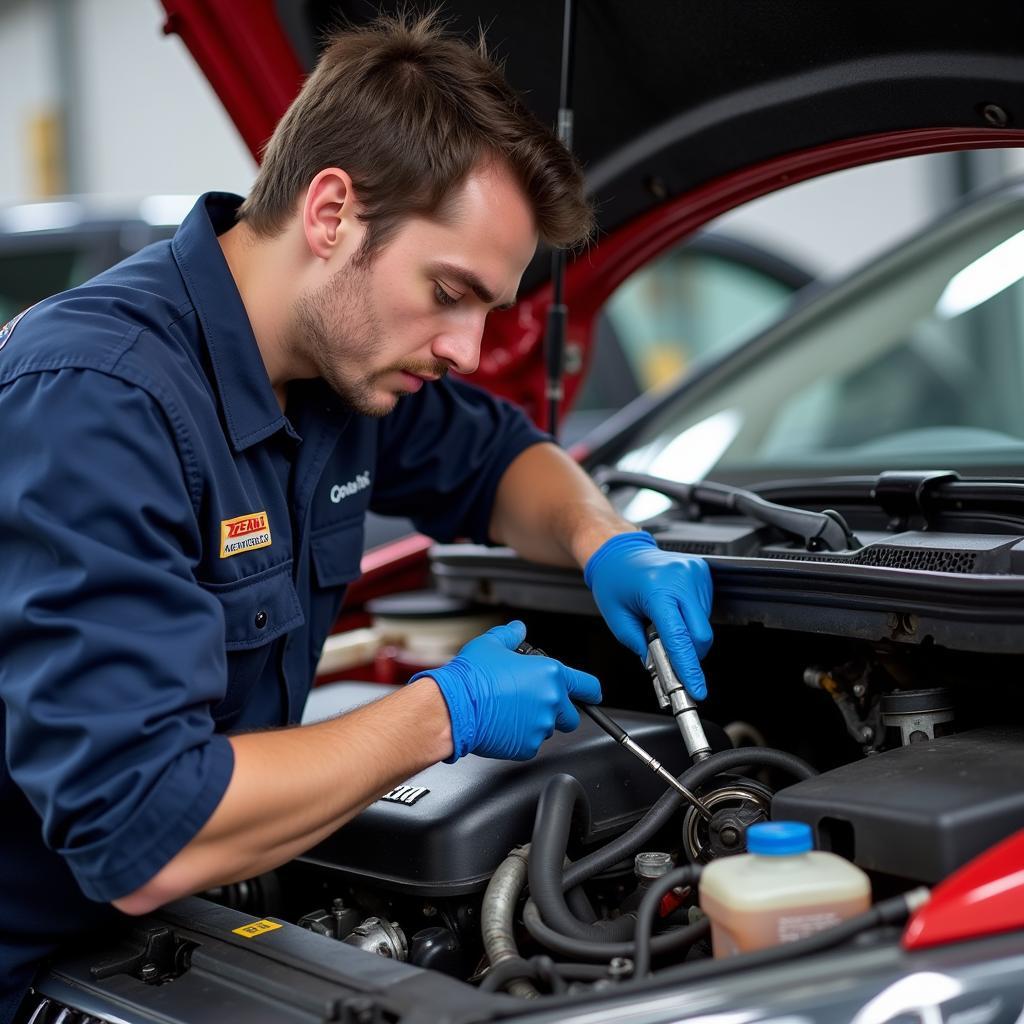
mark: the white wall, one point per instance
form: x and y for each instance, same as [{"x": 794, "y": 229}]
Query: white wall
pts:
[
  {"x": 1015, "y": 161},
  {"x": 28, "y": 89},
  {"x": 146, "y": 121},
  {"x": 831, "y": 224},
  {"x": 152, "y": 122}
]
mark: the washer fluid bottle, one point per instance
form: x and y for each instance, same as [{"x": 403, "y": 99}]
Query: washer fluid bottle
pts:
[{"x": 780, "y": 890}]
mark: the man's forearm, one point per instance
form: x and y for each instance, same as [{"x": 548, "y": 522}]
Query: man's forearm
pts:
[
  {"x": 291, "y": 788},
  {"x": 550, "y": 511}
]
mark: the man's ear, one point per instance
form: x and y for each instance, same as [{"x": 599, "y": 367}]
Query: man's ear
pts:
[{"x": 329, "y": 219}]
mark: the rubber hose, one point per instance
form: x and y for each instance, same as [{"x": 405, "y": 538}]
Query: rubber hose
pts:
[
  {"x": 582, "y": 972},
  {"x": 509, "y": 972},
  {"x": 602, "y": 952},
  {"x": 661, "y": 813},
  {"x": 895, "y": 910},
  {"x": 497, "y": 923},
  {"x": 545, "y": 969},
  {"x": 561, "y": 795},
  {"x": 648, "y": 911},
  {"x": 578, "y": 901},
  {"x": 541, "y": 968}
]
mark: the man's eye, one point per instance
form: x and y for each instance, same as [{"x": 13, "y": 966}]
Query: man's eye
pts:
[{"x": 443, "y": 298}]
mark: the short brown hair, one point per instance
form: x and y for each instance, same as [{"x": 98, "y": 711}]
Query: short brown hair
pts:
[{"x": 408, "y": 111}]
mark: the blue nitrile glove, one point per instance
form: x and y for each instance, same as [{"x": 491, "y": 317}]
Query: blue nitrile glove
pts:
[
  {"x": 504, "y": 704},
  {"x": 634, "y": 582}
]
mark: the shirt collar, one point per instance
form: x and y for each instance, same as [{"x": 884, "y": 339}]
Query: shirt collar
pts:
[{"x": 251, "y": 410}]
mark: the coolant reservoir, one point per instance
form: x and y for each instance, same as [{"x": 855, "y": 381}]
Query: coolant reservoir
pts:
[{"x": 781, "y": 890}]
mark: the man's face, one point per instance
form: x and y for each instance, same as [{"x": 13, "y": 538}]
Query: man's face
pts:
[{"x": 378, "y": 329}]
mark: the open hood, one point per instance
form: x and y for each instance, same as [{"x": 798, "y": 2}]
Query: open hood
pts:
[
  {"x": 669, "y": 96},
  {"x": 682, "y": 110}
]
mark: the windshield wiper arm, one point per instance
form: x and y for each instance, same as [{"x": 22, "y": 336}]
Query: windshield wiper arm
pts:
[
  {"x": 820, "y": 531},
  {"x": 914, "y": 499}
]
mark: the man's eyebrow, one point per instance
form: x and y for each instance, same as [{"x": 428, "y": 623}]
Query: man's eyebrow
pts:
[{"x": 469, "y": 280}]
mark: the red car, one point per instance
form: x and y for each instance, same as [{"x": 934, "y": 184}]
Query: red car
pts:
[{"x": 855, "y": 477}]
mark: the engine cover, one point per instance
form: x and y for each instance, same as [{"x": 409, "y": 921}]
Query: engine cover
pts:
[
  {"x": 918, "y": 812},
  {"x": 445, "y": 831}
]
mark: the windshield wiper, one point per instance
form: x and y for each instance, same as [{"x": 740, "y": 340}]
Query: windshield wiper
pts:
[
  {"x": 915, "y": 499},
  {"x": 819, "y": 531}
]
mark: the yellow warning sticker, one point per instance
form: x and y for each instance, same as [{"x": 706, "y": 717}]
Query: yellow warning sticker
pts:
[
  {"x": 244, "y": 533},
  {"x": 250, "y": 931}
]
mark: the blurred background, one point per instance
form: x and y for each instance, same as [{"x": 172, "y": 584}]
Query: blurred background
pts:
[
  {"x": 110, "y": 131},
  {"x": 96, "y": 99}
]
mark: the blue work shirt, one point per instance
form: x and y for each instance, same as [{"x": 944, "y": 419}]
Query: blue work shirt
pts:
[{"x": 173, "y": 552}]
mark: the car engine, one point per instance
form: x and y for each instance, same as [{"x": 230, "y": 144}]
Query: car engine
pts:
[
  {"x": 578, "y": 874},
  {"x": 890, "y": 775}
]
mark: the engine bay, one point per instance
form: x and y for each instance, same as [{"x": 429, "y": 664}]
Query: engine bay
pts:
[
  {"x": 579, "y": 872},
  {"x": 903, "y": 761}
]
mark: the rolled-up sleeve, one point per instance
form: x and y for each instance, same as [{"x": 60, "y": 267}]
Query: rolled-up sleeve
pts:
[
  {"x": 442, "y": 454},
  {"x": 112, "y": 654}
]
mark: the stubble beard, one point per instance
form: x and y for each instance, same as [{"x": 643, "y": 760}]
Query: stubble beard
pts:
[{"x": 336, "y": 326}]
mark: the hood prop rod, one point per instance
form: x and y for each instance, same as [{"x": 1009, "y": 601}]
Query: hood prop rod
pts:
[{"x": 558, "y": 313}]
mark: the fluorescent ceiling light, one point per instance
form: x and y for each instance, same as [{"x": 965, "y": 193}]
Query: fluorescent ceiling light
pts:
[
  {"x": 986, "y": 277},
  {"x": 40, "y": 216},
  {"x": 686, "y": 458},
  {"x": 161, "y": 210}
]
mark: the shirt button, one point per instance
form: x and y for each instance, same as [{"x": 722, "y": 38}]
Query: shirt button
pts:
[{"x": 261, "y": 619}]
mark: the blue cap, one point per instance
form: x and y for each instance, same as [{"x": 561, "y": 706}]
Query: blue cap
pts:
[{"x": 777, "y": 838}]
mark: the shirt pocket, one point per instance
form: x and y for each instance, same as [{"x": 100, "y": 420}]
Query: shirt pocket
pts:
[
  {"x": 337, "y": 552},
  {"x": 257, "y": 609}
]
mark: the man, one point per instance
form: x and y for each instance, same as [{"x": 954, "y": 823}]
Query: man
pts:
[{"x": 191, "y": 441}]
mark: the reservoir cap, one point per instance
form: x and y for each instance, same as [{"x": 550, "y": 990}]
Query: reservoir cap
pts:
[{"x": 778, "y": 838}]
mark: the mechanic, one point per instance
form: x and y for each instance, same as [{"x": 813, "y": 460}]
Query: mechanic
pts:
[{"x": 190, "y": 443}]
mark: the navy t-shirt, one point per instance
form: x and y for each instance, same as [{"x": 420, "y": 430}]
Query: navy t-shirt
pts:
[{"x": 173, "y": 553}]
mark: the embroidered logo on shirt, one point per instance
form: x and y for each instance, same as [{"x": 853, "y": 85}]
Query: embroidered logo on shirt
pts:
[
  {"x": 8, "y": 328},
  {"x": 244, "y": 533},
  {"x": 342, "y": 491}
]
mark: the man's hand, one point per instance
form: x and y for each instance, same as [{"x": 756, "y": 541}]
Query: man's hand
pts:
[
  {"x": 505, "y": 705},
  {"x": 634, "y": 582},
  {"x": 550, "y": 511}
]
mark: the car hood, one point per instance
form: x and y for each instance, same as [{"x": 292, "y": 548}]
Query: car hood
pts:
[
  {"x": 682, "y": 111},
  {"x": 669, "y": 96}
]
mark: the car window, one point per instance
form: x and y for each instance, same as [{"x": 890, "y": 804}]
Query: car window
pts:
[
  {"x": 676, "y": 311},
  {"x": 917, "y": 363}
]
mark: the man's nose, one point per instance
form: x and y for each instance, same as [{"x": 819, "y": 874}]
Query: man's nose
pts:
[{"x": 460, "y": 346}]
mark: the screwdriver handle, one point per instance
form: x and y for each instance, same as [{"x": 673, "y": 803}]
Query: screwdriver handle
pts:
[
  {"x": 527, "y": 648},
  {"x": 613, "y": 729},
  {"x": 625, "y": 740}
]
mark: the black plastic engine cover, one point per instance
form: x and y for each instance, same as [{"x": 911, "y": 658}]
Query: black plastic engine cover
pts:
[
  {"x": 918, "y": 812},
  {"x": 449, "y": 840}
]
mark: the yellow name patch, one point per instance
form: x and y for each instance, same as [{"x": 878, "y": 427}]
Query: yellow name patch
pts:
[
  {"x": 244, "y": 533},
  {"x": 250, "y": 931}
]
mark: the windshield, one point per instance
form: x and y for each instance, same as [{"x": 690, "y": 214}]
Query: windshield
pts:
[{"x": 918, "y": 362}]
